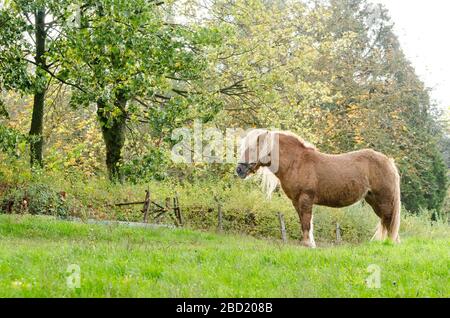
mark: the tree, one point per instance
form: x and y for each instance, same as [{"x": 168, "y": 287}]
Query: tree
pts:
[
  {"x": 136, "y": 65},
  {"x": 335, "y": 73},
  {"x": 25, "y": 43}
]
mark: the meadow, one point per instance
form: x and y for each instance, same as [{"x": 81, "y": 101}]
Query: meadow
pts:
[{"x": 119, "y": 261}]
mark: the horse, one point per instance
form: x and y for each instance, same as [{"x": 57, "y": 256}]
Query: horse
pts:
[{"x": 309, "y": 177}]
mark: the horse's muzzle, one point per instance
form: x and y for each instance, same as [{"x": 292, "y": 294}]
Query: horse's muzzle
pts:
[
  {"x": 244, "y": 169},
  {"x": 241, "y": 171}
]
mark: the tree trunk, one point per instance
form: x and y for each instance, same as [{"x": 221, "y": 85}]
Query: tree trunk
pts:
[
  {"x": 114, "y": 137},
  {"x": 37, "y": 119}
]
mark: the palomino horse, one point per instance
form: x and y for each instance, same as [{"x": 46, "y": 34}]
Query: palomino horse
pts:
[{"x": 310, "y": 177}]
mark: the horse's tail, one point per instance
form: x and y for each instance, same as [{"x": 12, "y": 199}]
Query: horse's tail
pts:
[
  {"x": 380, "y": 232},
  {"x": 394, "y": 227}
]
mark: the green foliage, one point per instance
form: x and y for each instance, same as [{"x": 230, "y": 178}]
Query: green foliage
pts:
[
  {"x": 118, "y": 50},
  {"x": 25, "y": 48},
  {"x": 36, "y": 199},
  {"x": 3, "y": 110},
  {"x": 137, "y": 66},
  {"x": 13, "y": 67},
  {"x": 427, "y": 188},
  {"x": 153, "y": 165},
  {"x": 10, "y": 140}
]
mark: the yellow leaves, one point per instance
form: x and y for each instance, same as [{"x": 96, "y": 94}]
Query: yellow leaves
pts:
[
  {"x": 395, "y": 115},
  {"x": 365, "y": 96},
  {"x": 330, "y": 121},
  {"x": 70, "y": 162},
  {"x": 359, "y": 140},
  {"x": 353, "y": 112},
  {"x": 340, "y": 101},
  {"x": 353, "y": 107}
]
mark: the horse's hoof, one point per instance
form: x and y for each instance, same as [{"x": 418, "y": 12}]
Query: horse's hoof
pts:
[{"x": 308, "y": 244}]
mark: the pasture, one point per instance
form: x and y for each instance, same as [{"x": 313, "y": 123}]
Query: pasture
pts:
[{"x": 118, "y": 261}]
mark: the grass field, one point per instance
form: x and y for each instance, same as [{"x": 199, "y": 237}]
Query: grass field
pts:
[{"x": 119, "y": 261}]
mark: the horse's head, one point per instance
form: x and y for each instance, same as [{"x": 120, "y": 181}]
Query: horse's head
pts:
[{"x": 258, "y": 149}]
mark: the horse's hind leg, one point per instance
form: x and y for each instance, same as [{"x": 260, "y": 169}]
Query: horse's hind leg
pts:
[{"x": 381, "y": 231}]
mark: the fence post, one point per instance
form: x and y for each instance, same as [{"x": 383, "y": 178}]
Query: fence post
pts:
[
  {"x": 177, "y": 210},
  {"x": 282, "y": 227},
  {"x": 338, "y": 233},
  {"x": 146, "y": 205},
  {"x": 167, "y": 204},
  {"x": 219, "y": 217}
]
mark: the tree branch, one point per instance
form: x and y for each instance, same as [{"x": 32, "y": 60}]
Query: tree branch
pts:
[{"x": 56, "y": 77}]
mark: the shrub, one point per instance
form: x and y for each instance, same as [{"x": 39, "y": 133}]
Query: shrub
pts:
[{"x": 36, "y": 198}]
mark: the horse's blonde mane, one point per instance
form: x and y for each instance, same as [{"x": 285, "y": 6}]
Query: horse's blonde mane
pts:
[
  {"x": 304, "y": 143},
  {"x": 269, "y": 180}
]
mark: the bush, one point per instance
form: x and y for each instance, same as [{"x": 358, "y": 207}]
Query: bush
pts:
[{"x": 37, "y": 198}]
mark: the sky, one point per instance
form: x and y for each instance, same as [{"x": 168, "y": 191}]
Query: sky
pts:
[{"x": 423, "y": 29}]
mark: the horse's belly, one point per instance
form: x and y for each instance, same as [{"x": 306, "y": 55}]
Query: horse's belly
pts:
[{"x": 341, "y": 195}]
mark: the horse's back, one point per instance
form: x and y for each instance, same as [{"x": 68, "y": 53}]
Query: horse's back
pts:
[
  {"x": 378, "y": 169},
  {"x": 364, "y": 158},
  {"x": 346, "y": 178}
]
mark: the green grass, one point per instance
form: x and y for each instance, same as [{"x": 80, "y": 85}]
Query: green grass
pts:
[{"x": 119, "y": 261}]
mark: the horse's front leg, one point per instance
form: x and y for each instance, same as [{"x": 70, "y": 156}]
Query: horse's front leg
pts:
[{"x": 304, "y": 210}]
